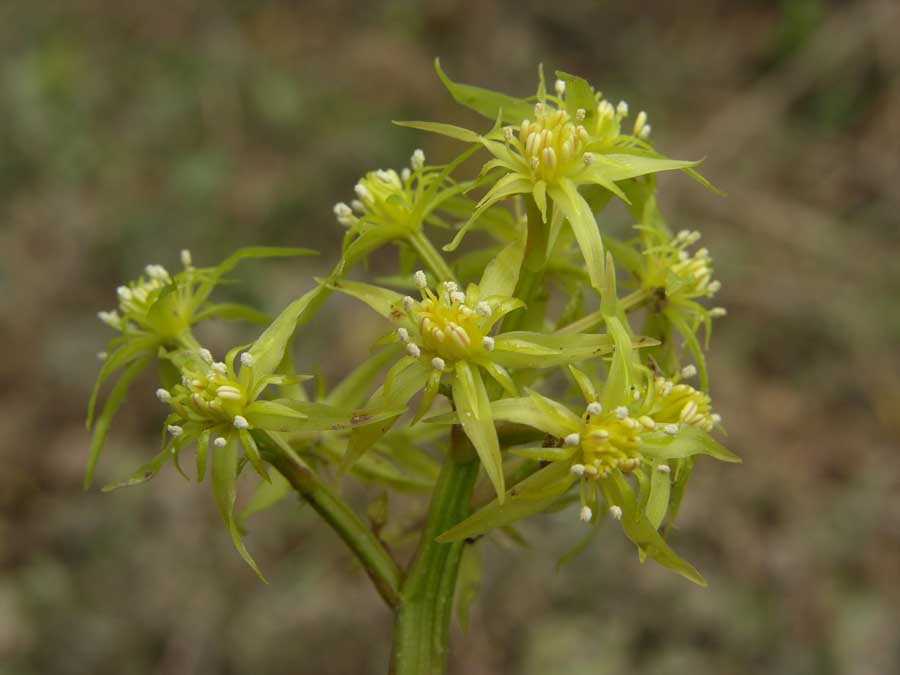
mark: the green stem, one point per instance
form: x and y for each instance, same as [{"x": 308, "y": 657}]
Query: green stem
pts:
[
  {"x": 423, "y": 618},
  {"x": 431, "y": 257},
  {"x": 375, "y": 559},
  {"x": 530, "y": 288},
  {"x": 630, "y": 302}
]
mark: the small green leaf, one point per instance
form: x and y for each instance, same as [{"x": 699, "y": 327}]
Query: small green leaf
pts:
[
  {"x": 224, "y": 482},
  {"x": 533, "y": 495},
  {"x": 687, "y": 442},
  {"x": 113, "y": 402},
  {"x": 641, "y": 532},
  {"x": 581, "y": 219},
  {"x": 252, "y": 453},
  {"x": 526, "y": 349},
  {"x": 143, "y": 474},
  {"x": 585, "y": 384},
  {"x": 459, "y": 133},
  {"x": 579, "y": 94},
  {"x": 268, "y": 350},
  {"x": 382, "y": 300},
  {"x": 474, "y": 409},
  {"x": 490, "y": 104},
  {"x": 616, "y": 389},
  {"x": 617, "y": 167},
  {"x": 502, "y": 274},
  {"x": 658, "y": 497}
]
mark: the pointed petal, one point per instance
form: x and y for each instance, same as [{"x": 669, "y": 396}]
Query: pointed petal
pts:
[{"x": 474, "y": 409}]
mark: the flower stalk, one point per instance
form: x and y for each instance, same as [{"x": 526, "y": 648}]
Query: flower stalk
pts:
[{"x": 422, "y": 624}]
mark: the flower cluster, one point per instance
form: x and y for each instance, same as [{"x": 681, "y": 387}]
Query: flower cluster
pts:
[{"x": 494, "y": 331}]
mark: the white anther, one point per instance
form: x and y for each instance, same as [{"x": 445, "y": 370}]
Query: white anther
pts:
[
  {"x": 572, "y": 439},
  {"x": 186, "y": 258},
  {"x": 163, "y": 395},
  {"x": 535, "y": 162},
  {"x": 605, "y": 109},
  {"x": 508, "y": 133},
  {"x": 344, "y": 214},
  {"x": 560, "y": 87},
  {"x": 488, "y": 343},
  {"x": 417, "y": 161},
  {"x": 664, "y": 468},
  {"x": 413, "y": 350},
  {"x": 645, "y": 131},
  {"x": 594, "y": 408},
  {"x": 458, "y": 296},
  {"x": 717, "y": 312},
  {"x": 438, "y": 363},
  {"x": 102, "y": 356},
  {"x": 621, "y": 412},
  {"x": 715, "y": 418},
  {"x": 358, "y": 206},
  {"x": 639, "y": 122},
  {"x": 228, "y": 393},
  {"x": 714, "y": 286},
  {"x": 689, "y": 371},
  {"x": 616, "y": 512},
  {"x": 671, "y": 429},
  {"x": 220, "y": 442},
  {"x": 175, "y": 430},
  {"x": 538, "y": 109},
  {"x": 577, "y": 469},
  {"x": 622, "y": 109},
  {"x": 363, "y": 193},
  {"x": 157, "y": 272},
  {"x": 636, "y": 395},
  {"x": 420, "y": 279},
  {"x": 586, "y": 514},
  {"x": 124, "y": 293},
  {"x": 483, "y": 309},
  {"x": 247, "y": 360},
  {"x": 408, "y": 303},
  {"x": 405, "y": 174},
  {"x": 580, "y": 114},
  {"x": 111, "y": 318},
  {"x": 588, "y": 158},
  {"x": 403, "y": 334},
  {"x": 206, "y": 355},
  {"x": 219, "y": 368},
  {"x": 240, "y": 422}
]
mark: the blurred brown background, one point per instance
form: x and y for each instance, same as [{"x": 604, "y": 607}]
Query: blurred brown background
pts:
[{"x": 131, "y": 130}]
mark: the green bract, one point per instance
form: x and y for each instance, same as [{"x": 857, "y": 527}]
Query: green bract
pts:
[{"x": 558, "y": 389}]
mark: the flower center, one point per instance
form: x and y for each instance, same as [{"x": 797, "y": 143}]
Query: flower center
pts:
[{"x": 552, "y": 144}]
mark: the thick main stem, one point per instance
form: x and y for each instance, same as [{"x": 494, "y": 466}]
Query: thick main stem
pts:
[
  {"x": 378, "y": 563},
  {"x": 422, "y": 626}
]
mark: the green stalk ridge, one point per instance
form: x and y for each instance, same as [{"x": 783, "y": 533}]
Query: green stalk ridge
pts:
[{"x": 422, "y": 624}]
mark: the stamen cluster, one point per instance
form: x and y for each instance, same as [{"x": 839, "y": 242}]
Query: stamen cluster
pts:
[
  {"x": 452, "y": 325},
  {"x": 382, "y": 195},
  {"x": 209, "y": 392}
]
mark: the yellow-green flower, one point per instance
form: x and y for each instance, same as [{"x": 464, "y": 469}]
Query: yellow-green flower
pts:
[
  {"x": 392, "y": 207},
  {"x": 156, "y": 313},
  {"x": 555, "y": 146}
]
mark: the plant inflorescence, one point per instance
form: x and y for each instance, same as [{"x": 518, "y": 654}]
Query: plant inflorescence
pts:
[{"x": 565, "y": 362}]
